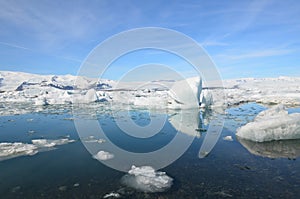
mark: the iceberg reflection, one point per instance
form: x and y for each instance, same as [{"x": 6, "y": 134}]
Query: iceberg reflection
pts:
[{"x": 273, "y": 149}]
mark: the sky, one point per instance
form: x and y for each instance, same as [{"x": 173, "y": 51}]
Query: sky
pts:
[{"x": 250, "y": 38}]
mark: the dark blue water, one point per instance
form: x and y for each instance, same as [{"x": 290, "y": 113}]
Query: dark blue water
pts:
[{"x": 69, "y": 171}]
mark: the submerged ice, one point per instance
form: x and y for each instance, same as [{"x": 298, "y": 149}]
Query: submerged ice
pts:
[
  {"x": 146, "y": 179},
  {"x": 272, "y": 124}
]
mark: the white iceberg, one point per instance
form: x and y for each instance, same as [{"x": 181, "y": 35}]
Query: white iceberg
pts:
[
  {"x": 272, "y": 124},
  {"x": 103, "y": 155},
  {"x": 185, "y": 93},
  {"x": 146, "y": 179}
]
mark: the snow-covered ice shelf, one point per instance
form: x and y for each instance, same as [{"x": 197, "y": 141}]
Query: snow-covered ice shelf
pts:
[{"x": 39, "y": 90}]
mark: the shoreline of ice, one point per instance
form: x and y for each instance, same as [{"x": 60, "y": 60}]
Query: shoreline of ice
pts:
[{"x": 42, "y": 90}]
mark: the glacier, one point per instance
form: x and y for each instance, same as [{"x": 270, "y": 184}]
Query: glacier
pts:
[{"x": 272, "y": 124}]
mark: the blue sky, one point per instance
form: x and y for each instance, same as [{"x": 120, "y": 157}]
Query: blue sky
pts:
[{"x": 244, "y": 38}]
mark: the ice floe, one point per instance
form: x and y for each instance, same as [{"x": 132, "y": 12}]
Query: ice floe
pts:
[
  {"x": 11, "y": 150},
  {"x": 103, "y": 155},
  {"x": 50, "y": 143},
  {"x": 146, "y": 179},
  {"x": 272, "y": 124}
]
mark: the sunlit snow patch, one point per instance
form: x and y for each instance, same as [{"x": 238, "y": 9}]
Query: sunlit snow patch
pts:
[
  {"x": 272, "y": 124},
  {"x": 146, "y": 179}
]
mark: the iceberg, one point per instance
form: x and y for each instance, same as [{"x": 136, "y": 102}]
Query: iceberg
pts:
[
  {"x": 272, "y": 124},
  {"x": 185, "y": 93},
  {"x": 146, "y": 179}
]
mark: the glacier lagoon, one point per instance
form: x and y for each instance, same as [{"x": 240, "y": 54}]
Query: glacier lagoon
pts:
[{"x": 234, "y": 168}]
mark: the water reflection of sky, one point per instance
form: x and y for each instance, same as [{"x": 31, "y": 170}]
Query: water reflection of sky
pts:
[{"x": 236, "y": 169}]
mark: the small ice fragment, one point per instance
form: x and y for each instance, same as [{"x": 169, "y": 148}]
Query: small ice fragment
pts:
[
  {"x": 76, "y": 185},
  {"x": 228, "y": 138},
  {"x": 62, "y": 188},
  {"x": 103, "y": 155},
  {"x": 112, "y": 195},
  {"x": 92, "y": 139},
  {"x": 31, "y": 132},
  {"x": 146, "y": 179}
]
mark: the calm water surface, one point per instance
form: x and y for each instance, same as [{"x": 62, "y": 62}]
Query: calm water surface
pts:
[{"x": 233, "y": 169}]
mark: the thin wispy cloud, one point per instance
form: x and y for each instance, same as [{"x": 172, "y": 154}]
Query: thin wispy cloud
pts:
[
  {"x": 13, "y": 45},
  {"x": 255, "y": 54},
  {"x": 61, "y": 33}
]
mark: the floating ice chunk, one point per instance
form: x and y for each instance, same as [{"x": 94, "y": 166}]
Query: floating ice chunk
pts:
[
  {"x": 103, "y": 155},
  {"x": 228, "y": 138},
  {"x": 92, "y": 139},
  {"x": 11, "y": 150},
  {"x": 112, "y": 195},
  {"x": 272, "y": 124},
  {"x": 146, "y": 179},
  {"x": 51, "y": 143},
  {"x": 16, "y": 149}
]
